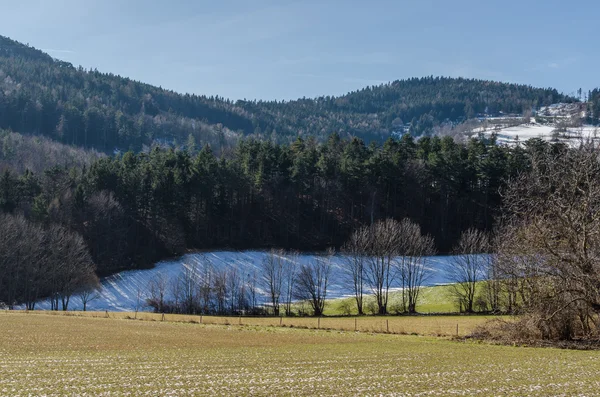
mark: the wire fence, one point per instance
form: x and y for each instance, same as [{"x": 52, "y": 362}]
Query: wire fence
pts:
[{"x": 417, "y": 325}]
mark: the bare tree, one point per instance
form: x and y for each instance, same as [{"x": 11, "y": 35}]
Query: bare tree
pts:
[
  {"x": 89, "y": 291},
  {"x": 70, "y": 261},
  {"x": 220, "y": 290},
  {"x": 414, "y": 252},
  {"x": 355, "y": 257},
  {"x": 234, "y": 284},
  {"x": 189, "y": 281},
  {"x": 157, "y": 288},
  {"x": 380, "y": 270},
  {"x": 139, "y": 300},
  {"x": 252, "y": 288},
  {"x": 206, "y": 285},
  {"x": 23, "y": 274},
  {"x": 468, "y": 266},
  {"x": 176, "y": 292},
  {"x": 273, "y": 277},
  {"x": 313, "y": 280},
  {"x": 290, "y": 276},
  {"x": 554, "y": 224}
]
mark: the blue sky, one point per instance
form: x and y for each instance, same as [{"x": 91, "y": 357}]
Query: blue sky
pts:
[{"x": 279, "y": 49}]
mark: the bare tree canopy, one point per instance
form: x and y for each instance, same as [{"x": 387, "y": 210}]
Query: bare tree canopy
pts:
[
  {"x": 355, "y": 257},
  {"x": 313, "y": 280},
  {"x": 383, "y": 254},
  {"x": 468, "y": 266},
  {"x": 414, "y": 250},
  {"x": 37, "y": 262},
  {"x": 273, "y": 277},
  {"x": 551, "y": 240}
]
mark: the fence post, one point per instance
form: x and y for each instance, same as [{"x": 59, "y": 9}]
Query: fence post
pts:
[
  {"x": 355, "y": 324},
  {"x": 201, "y": 319},
  {"x": 280, "y": 320},
  {"x": 456, "y": 329}
]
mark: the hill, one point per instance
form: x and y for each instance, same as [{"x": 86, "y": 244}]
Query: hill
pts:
[
  {"x": 125, "y": 290},
  {"x": 45, "y": 96}
]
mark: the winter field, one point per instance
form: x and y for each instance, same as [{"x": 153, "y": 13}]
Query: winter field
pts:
[
  {"x": 127, "y": 291},
  {"x": 52, "y": 355},
  {"x": 521, "y": 133}
]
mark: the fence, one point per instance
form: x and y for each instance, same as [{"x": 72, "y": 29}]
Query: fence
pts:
[{"x": 418, "y": 325}]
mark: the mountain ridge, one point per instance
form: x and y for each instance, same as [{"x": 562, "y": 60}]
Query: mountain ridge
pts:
[{"x": 43, "y": 95}]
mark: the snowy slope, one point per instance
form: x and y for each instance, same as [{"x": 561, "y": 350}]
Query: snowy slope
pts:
[
  {"x": 522, "y": 133},
  {"x": 127, "y": 290}
]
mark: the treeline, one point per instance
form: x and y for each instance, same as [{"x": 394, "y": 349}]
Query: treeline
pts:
[
  {"x": 384, "y": 255},
  {"x": 36, "y": 154},
  {"x": 42, "y": 262},
  {"x": 135, "y": 209},
  {"x": 594, "y": 106},
  {"x": 303, "y": 196},
  {"x": 374, "y": 112},
  {"x": 43, "y": 96},
  {"x": 202, "y": 288}
]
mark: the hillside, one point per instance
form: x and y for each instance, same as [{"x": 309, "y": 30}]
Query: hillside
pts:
[
  {"x": 40, "y": 95},
  {"x": 128, "y": 290}
]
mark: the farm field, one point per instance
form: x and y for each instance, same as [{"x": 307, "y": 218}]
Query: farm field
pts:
[
  {"x": 439, "y": 325},
  {"x": 435, "y": 299},
  {"x": 50, "y": 355}
]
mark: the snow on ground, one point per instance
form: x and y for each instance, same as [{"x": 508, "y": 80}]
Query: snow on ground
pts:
[
  {"x": 524, "y": 132},
  {"x": 127, "y": 290}
]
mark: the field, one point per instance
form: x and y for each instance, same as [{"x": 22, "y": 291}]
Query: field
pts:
[
  {"x": 66, "y": 355},
  {"x": 417, "y": 325},
  {"x": 436, "y": 299}
]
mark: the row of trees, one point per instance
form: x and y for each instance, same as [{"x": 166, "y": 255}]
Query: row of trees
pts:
[
  {"x": 387, "y": 254},
  {"x": 551, "y": 242},
  {"x": 594, "y": 106},
  {"x": 38, "y": 262},
  {"x": 201, "y": 288},
  {"x": 545, "y": 260},
  {"x": 135, "y": 209}
]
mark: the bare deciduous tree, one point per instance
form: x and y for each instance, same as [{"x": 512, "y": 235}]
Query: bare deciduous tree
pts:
[
  {"x": 313, "y": 280},
  {"x": 380, "y": 271},
  {"x": 290, "y": 275},
  {"x": 468, "y": 266},
  {"x": 189, "y": 281},
  {"x": 273, "y": 277},
  {"x": 89, "y": 291},
  {"x": 220, "y": 290},
  {"x": 553, "y": 226},
  {"x": 206, "y": 287},
  {"x": 157, "y": 288},
  {"x": 355, "y": 257},
  {"x": 414, "y": 250}
]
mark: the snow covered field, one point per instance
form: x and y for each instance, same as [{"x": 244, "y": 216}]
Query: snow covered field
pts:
[
  {"x": 127, "y": 290},
  {"x": 523, "y": 132}
]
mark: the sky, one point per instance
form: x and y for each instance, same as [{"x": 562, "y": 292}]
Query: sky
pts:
[{"x": 281, "y": 49}]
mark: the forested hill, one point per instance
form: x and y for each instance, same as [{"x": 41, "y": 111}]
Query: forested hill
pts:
[{"x": 40, "y": 95}]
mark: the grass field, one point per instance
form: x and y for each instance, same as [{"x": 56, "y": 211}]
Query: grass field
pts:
[
  {"x": 438, "y": 325},
  {"x": 431, "y": 300},
  {"x": 45, "y": 355}
]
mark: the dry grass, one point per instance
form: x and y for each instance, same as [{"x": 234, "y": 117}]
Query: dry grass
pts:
[
  {"x": 418, "y": 325},
  {"x": 45, "y": 355}
]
